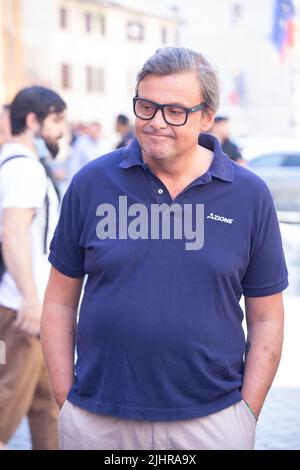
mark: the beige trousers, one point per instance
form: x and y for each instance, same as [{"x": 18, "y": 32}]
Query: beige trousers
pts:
[
  {"x": 25, "y": 387},
  {"x": 231, "y": 428}
]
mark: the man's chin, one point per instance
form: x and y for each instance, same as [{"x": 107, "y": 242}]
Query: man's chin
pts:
[
  {"x": 53, "y": 148},
  {"x": 158, "y": 156},
  {"x": 158, "y": 152}
]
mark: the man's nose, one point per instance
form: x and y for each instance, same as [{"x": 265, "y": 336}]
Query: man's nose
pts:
[{"x": 158, "y": 122}]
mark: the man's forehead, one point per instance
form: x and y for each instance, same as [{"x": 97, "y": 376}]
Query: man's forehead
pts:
[
  {"x": 57, "y": 114},
  {"x": 184, "y": 85}
]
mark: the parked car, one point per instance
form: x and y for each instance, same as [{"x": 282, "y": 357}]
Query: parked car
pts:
[{"x": 277, "y": 162}]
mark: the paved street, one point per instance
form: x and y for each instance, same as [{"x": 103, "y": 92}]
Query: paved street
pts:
[{"x": 279, "y": 423}]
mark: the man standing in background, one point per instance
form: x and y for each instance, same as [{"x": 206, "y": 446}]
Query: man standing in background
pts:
[
  {"x": 221, "y": 130},
  {"x": 124, "y": 128},
  {"x": 29, "y": 206}
]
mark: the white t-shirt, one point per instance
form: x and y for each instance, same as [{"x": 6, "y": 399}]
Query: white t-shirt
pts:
[{"x": 23, "y": 183}]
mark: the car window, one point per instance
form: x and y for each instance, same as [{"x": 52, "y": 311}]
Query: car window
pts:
[
  {"x": 269, "y": 159},
  {"x": 292, "y": 160}
]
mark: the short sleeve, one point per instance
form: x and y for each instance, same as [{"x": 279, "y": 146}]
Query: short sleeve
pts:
[
  {"x": 66, "y": 254},
  {"x": 266, "y": 273},
  {"x": 23, "y": 184}
]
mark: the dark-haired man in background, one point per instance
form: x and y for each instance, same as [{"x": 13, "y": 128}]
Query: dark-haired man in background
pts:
[
  {"x": 221, "y": 130},
  {"x": 29, "y": 207},
  {"x": 124, "y": 128}
]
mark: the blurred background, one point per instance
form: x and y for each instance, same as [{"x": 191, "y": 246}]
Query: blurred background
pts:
[{"x": 90, "y": 51}]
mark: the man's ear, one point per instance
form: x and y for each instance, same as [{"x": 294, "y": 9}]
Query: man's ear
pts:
[
  {"x": 32, "y": 122},
  {"x": 208, "y": 118}
]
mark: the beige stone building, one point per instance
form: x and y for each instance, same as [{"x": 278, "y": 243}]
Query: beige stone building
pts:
[
  {"x": 11, "y": 49},
  {"x": 88, "y": 50}
]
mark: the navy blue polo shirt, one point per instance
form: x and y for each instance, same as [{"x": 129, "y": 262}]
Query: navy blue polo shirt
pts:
[{"x": 160, "y": 327}]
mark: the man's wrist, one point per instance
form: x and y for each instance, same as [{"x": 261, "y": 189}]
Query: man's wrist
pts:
[
  {"x": 61, "y": 394},
  {"x": 254, "y": 406},
  {"x": 255, "y": 415},
  {"x": 60, "y": 399}
]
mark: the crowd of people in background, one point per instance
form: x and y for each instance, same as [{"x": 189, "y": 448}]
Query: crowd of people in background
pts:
[{"x": 86, "y": 146}]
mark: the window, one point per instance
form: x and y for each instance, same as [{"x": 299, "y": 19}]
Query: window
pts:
[
  {"x": 88, "y": 22},
  {"x": 131, "y": 80},
  {"x": 65, "y": 76},
  {"x": 267, "y": 160},
  {"x": 94, "y": 79},
  {"x": 102, "y": 25},
  {"x": 94, "y": 23},
  {"x": 135, "y": 31},
  {"x": 63, "y": 18},
  {"x": 236, "y": 14},
  {"x": 89, "y": 79},
  {"x": 163, "y": 36}
]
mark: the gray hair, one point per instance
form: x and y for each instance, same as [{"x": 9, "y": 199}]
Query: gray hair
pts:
[{"x": 170, "y": 60}]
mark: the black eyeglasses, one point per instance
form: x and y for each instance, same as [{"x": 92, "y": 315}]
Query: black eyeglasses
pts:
[{"x": 173, "y": 114}]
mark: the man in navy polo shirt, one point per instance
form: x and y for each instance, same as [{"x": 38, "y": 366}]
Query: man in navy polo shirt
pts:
[{"x": 170, "y": 234}]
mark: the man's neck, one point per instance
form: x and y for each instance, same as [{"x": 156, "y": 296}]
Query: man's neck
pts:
[
  {"x": 27, "y": 141},
  {"x": 194, "y": 164},
  {"x": 178, "y": 174}
]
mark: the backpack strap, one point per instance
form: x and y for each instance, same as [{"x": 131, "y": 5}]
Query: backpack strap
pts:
[
  {"x": 49, "y": 176},
  {"x": 11, "y": 158}
]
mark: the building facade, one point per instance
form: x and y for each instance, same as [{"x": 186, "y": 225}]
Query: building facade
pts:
[
  {"x": 89, "y": 51},
  {"x": 11, "y": 49},
  {"x": 258, "y": 89}
]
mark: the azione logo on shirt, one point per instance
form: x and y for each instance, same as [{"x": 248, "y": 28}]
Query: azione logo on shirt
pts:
[{"x": 220, "y": 218}]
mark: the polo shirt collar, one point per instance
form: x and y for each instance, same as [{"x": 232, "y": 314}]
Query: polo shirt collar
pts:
[
  {"x": 221, "y": 167},
  {"x": 132, "y": 156}
]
